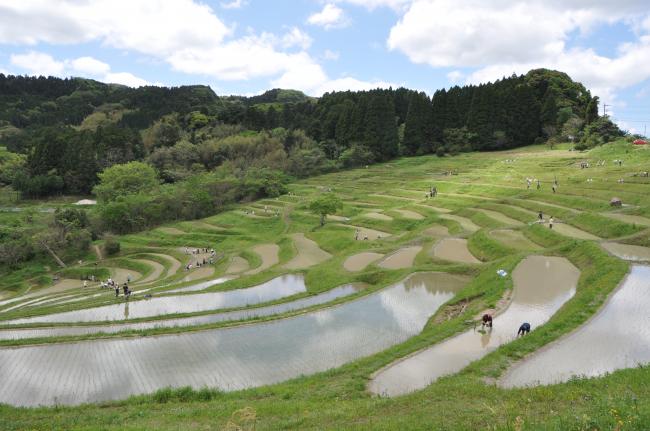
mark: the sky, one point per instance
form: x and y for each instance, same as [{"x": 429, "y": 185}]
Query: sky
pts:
[{"x": 248, "y": 46}]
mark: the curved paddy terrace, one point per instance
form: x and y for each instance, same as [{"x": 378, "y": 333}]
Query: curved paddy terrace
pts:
[
  {"x": 325, "y": 320},
  {"x": 617, "y": 337},
  {"x": 230, "y": 358},
  {"x": 280, "y": 287},
  {"x": 541, "y": 286}
]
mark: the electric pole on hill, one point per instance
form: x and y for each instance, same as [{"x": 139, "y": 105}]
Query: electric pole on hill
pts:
[{"x": 605, "y": 105}]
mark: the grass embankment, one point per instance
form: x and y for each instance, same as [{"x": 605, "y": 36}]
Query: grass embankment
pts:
[{"x": 337, "y": 399}]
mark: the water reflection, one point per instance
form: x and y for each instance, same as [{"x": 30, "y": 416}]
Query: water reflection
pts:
[
  {"x": 230, "y": 358},
  {"x": 542, "y": 285},
  {"x": 279, "y": 287},
  {"x": 618, "y": 337}
]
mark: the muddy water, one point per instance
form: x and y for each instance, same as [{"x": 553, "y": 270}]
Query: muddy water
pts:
[
  {"x": 228, "y": 359},
  {"x": 628, "y": 218},
  {"x": 199, "y": 273},
  {"x": 617, "y": 337},
  {"x": 309, "y": 253},
  {"x": 237, "y": 264},
  {"x": 541, "y": 286},
  {"x": 359, "y": 262},
  {"x": 501, "y": 217},
  {"x": 465, "y": 223},
  {"x": 122, "y": 275},
  {"x": 514, "y": 239},
  {"x": 453, "y": 249},
  {"x": 269, "y": 255},
  {"x": 365, "y": 232},
  {"x": 250, "y": 313},
  {"x": 279, "y": 287},
  {"x": 412, "y": 215},
  {"x": 635, "y": 253},
  {"x": 402, "y": 258}
]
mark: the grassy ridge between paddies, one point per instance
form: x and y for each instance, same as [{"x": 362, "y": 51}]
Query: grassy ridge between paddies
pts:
[{"x": 337, "y": 399}]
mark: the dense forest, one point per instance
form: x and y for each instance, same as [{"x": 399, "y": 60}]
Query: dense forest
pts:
[{"x": 185, "y": 152}]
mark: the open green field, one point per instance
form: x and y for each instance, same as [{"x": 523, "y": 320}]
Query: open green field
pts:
[{"x": 483, "y": 203}]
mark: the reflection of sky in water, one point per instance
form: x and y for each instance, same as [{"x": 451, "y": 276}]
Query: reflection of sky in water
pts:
[
  {"x": 268, "y": 310},
  {"x": 279, "y": 287},
  {"x": 542, "y": 286},
  {"x": 617, "y": 337},
  {"x": 229, "y": 358}
]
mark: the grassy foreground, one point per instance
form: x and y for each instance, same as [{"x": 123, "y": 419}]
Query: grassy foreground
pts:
[{"x": 337, "y": 399}]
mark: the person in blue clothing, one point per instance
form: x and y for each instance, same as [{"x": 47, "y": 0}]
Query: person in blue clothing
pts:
[{"x": 523, "y": 329}]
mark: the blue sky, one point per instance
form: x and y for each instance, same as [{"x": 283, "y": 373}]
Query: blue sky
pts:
[{"x": 248, "y": 46}]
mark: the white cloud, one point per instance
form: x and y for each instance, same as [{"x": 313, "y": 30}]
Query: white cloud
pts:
[
  {"x": 125, "y": 78},
  {"x": 348, "y": 83},
  {"x": 152, "y": 27},
  {"x": 331, "y": 16},
  {"x": 331, "y": 55},
  {"x": 37, "y": 63},
  {"x": 90, "y": 66},
  {"x": 499, "y": 37},
  {"x": 454, "y": 76},
  {"x": 296, "y": 38},
  {"x": 235, "y": 4},
  {"x": 373, "y": 4}
]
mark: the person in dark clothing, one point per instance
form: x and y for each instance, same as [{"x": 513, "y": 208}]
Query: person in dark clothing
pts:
[
  {"x": 117, "y": 291},
  {"x": 125, "y": 288},
  {"x": 487, "y": 321},
  {"x": 541, "y": 216},
  {"x": 523, "y": 329}
]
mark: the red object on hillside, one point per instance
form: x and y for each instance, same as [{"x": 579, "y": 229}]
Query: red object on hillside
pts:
[{"x": 640, "y": 142}]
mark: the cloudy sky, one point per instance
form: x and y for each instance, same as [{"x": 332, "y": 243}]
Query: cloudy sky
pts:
[{"x": 247, "y": 46}]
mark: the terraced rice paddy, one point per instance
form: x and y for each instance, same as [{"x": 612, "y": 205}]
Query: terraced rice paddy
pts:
[
  {"x": 271, "y": 353},
  {"x": 453, "y": 249},
  {"x": 320, "y": 314},
  {"x": 542, "y": 286},
  {"x": 618, "y": 337},
  {"x": 284, "y": 286}
]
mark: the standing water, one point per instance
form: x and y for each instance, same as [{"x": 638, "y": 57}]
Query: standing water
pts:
[
  {"x": 228, "y": 359},
  {"x": 618, "y": 337},
  {"x": 541, "y": 286}
]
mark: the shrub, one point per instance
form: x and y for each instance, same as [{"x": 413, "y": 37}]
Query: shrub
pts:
[{"x": 111, "y": 245}]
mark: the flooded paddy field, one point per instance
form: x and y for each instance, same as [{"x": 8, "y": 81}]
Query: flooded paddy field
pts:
[
  {"x": 541, "y": 286},
  {"x": 229, "y": 358},
  {"x": 617, "y": 337},
  {"x": 277, "y": 288}
]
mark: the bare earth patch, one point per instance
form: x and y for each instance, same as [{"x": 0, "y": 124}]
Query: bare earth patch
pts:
[
  {"x": 309, "y": 254},
  {"x": 402, "y": 258}
]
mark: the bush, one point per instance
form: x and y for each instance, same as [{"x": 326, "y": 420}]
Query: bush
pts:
[
  {"x": 111, "y": 245},
  {"x": 440, "y": 152}
]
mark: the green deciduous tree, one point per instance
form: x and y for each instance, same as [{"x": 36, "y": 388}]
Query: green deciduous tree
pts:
[
  {"x": 129, "y": 178},
  {"x": 326, "y": 204}
]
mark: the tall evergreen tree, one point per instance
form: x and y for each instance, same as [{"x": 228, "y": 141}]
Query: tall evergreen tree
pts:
[{"x": 417, "y": 128}]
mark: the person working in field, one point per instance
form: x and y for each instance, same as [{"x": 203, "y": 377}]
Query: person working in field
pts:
[
  {"x": 487, "y": 321},
  {"x": 540, "y": 216},
  {"x": 551, "y": 220},
  {"x": 523, "y": 329}
]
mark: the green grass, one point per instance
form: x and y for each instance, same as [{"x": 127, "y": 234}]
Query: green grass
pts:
[{"x": 337, "y": 399}]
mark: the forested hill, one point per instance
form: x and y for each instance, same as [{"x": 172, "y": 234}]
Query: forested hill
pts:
[{"x": 60, "y": 133}]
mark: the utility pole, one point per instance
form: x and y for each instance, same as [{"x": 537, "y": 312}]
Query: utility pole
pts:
[{"x": 605, "y": 105}]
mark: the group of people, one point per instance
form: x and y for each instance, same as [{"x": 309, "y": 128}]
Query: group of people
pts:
[
  {"x": 357, "y": 235},
  {"x": 200, "y": 261},
  {"x": 432, "y": 193},
  {"x": 530, "y": 181},
  {"x": 487, "y": 322},
  {"x": 551, "y": 220}
]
